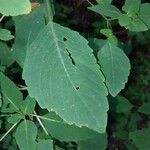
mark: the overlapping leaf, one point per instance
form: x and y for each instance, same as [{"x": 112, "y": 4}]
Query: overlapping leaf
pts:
[
  {"x": 25, "y": 135},
  {"x": 115, "y": 66},
  {"x": 62, "y": 75}
]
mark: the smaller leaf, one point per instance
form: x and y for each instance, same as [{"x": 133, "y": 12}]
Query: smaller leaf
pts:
[
  {"x": 11, "y": 95},
  {"x": 25, "y": 135},
  {"x": 5, "y": 55},
  {"x": 15, "y": 7},
  {"x": 45, "y": 145},
  {"x": 145, "y": 109},
  {"x": 27, "y": 106},
  {"x": 106, "y": 32},
  {"x": 141, "y": 138},
  {"x": 106, "y": 10},
  {"x": 115, "y": 66},
  {"x": 15, "y": 118},
  {"x": 133, "y": 24},
  {"x": 123, "y": 105},
  {"x": 131, "y": 7},
  {"x": 5, "y": 35},
  {"x": 144, "y": 13},
  {"x": 104, "y": 1}
]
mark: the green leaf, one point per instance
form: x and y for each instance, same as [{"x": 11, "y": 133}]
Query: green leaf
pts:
[
  {"x": 10, "y": 94},
  {"x": 104, "y": 1},
  {"x": 27, "y": 106},
  {"x": 120, "y": 104},
  {"x": 15, "y": 118},
  {"x": 106, "y": 32},
  {"x": 15, "y": 7},
  {"x": 123, "y": 105},
  {"x": 106, "y": 10},
  {"x": 133, "y": 24},
  {"x": 131, "y": 7},
  {"x": 115, "y": 66},
  {"x": 145, "y": 109},
  {"x": 45, "y": 145},
  {"x": 5, "y": 35},
  {"x": 98, "y": 142},
  {"x": 25, "y": 135},
  {"x": 58, "y": 80},
  {"x": 59, "y": 129},
  {"x": 5, "y": 55},
  {"x": 144, "y": 14},
  {"x": 27, "y": 28},
  {"x": 141, "y": 138}
]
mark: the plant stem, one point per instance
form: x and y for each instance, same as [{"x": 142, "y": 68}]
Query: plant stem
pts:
[
  {"x": 49, "y": 10},
  {"x": 40, "y": 122},
  {"x": 2, "y": 18},
  {"x": 89, "y": 2},
  {"x": 8, "y": 131}
]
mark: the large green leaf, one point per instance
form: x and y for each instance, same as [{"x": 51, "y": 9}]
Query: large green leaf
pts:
[
  {"x": 15, "y": 7},
  {"x": 141, "y": 138},
  {"x": 115, "y": 66},
  {"x": 106, "y": 10},
  {"x": 62, "y": 75},
  {"x": 27, "y": 28},
  {"x": 11, "y": 95},
  {"x": 59, "y": 129},
  {"x": 25, "y": 135}
]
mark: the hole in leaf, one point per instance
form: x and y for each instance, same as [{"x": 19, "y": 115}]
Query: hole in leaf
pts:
[
  {"x": 77, "y": 88},
  {"x": 72, "y": 60},
  {"x": 64, "y": 39}
]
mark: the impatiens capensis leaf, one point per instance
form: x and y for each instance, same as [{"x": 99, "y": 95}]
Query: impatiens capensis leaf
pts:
[
  {"x": 116, "y": 67},
  {"x": 11, "y": 96},
  {"x": 78, "y": 94},
  {"x": 25, "y": 135}
]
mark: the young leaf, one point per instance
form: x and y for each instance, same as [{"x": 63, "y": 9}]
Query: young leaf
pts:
[
  {"x": 67, "y": 78},
  {"x": 5, "y": 55},
  {"x": 131, "y": 7},
  {"x": 134, "y": 24},
  {"x": 15, "y": 118},
  {"x": 45, "y": 145},
  {"x": 141, "y": 138},
  {"x": 104, "y": 1},
  {"x": 145, "y": 109},
  {"x": 59, "y": 129},
  {"x": 115, "y": 66},
  {"x": 106, "y": 10},
  {"x": 27, "y": 106},
  {"x": 27, "y": 28},
  {"x": 5, "y": 35},
  {"x": 15, "y": 7},
  {"x": 10, "y": 94},
  {"x": 144, "y": 14},
  {"x": 25, "y": 135}
]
